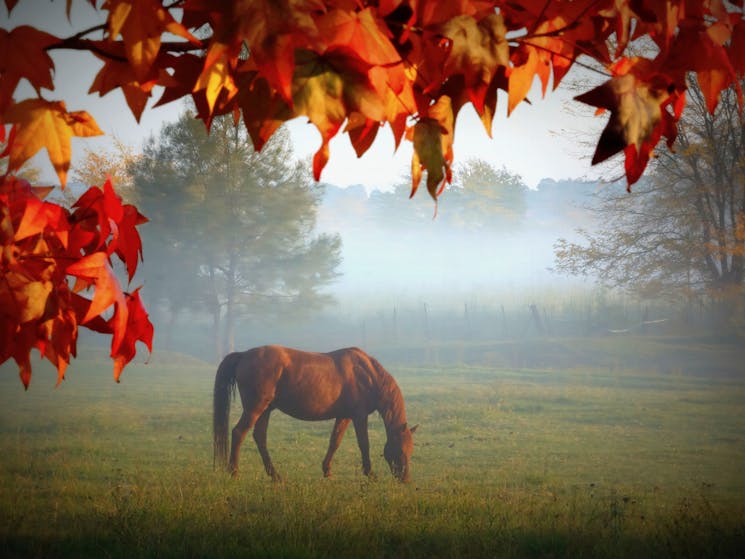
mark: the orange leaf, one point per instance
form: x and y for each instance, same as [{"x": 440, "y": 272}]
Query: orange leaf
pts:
[
  {"x": 521, "y": 79},
  {"x": 38, "y": 216},
  {"x": 96, "y": 268},
  {"x": 141, "y": 24},
  {"x": 117, "y": 74},
  {"x": 361, "y": 32},
  {"x": 46, "y": 124}
]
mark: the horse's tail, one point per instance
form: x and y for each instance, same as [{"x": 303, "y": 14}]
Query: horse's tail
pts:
[{"x": 224, "y": 390}]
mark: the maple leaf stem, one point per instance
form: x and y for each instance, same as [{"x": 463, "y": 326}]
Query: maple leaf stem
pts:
[
  {"x": 572, "y": 60},
  {"x": 569, "y": 26},
  {"x": 179, "y": 46},
  {"x": 84, "y": 32},
  {"x": 76, "y": 43},
  {"x": 558, "y": 32}
]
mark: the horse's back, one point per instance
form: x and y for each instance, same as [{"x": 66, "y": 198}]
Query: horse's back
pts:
[{"x": 309, "y": 385}]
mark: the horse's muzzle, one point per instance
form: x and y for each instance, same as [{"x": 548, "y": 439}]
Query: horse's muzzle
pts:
[{"x": 400, "y": 472}]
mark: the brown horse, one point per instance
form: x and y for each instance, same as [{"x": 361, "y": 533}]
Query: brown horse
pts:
[{"x": 346, "y": 385}]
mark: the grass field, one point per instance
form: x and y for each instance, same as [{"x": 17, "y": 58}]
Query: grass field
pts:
[{"x": 507, "y": 463}]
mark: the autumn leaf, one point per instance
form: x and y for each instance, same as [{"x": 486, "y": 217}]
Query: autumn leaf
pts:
[
  {"x": 325, "y": 89},
  {"x": 635, "y": 98},
  {"x": 23, "y": 55},
  {"x": 38, "y": 216},
  {"x": 477, "y": 50},
  {"x": 141, "y": 24},
  {"x": 217, "y": 74},
  {"x": 116, "y": 74},
  {"x": 46, "y": 124},
  {"x": 28, "y": 296},
  {"x": 104, "y": 222},
  {"x": 736, "y": 48},
  {"x": 264, "y": 110},
  {"x": 126, "y": 242},
  {"x": 138, "y": 329},
  {"x": 521, "y": 77},
  {"x": 432, "y": 137},
  {"x": 274, "y": 30},
  {"x": 95, "y": 269},
  {"x": 362, "y": 132},
  {"x": 360, "y": 32},
  {"x": 10, "y": 4}
]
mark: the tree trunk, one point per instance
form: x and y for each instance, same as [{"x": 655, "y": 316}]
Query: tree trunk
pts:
[
  {"x": 216, "y": 315},
  {"x": 230, "y": 292}
]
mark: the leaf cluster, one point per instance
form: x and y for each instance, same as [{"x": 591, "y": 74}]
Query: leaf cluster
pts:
[
  {"x": 355, "y": 66},
  {"x": 50, "y": 257}
]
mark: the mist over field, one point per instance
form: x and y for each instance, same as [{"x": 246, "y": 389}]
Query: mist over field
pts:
[
  {"x": 417, "y": 249},
  {"x": 410, "y": 257}
]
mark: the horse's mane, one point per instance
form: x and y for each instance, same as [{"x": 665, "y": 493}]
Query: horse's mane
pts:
[{"x": 390, "y": 399}]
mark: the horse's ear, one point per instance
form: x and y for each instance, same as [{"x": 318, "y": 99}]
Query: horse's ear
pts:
[{"x": 414, "y": 428}]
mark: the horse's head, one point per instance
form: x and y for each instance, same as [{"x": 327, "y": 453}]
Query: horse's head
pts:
[{"x": 398, "y": 449}]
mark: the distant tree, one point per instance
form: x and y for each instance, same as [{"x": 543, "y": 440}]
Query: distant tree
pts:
[
  {"x": 682, "y": 232},
  {"x": 484, "y": 197},
  {"x": 96, "y": 165},
  {"x": 232, "y": 229}
]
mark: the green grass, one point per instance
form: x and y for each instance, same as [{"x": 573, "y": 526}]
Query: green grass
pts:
[{"x": 507, "y": 463}]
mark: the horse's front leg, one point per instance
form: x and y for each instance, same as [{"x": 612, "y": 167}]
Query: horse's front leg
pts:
[
  {"x": 360, "y": 429},
  {"x": 336, "y": 435},
  {"x": 260, "y": 429}
]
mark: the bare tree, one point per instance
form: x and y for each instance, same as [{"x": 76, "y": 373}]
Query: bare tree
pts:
[{"x": 681, "y": 233}]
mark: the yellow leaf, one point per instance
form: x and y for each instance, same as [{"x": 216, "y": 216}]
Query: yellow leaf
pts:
[
  {"x": 216, "y": 74},
  {"x": 46, "y": 124},
  {"x": 30, "y": 296}
]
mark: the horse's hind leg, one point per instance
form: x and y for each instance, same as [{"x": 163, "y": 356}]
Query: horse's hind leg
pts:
[
  {"x": 241, "y": 429},
  {"x": 260, "y": 437},
  {"x": 336, "y": 435}
]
